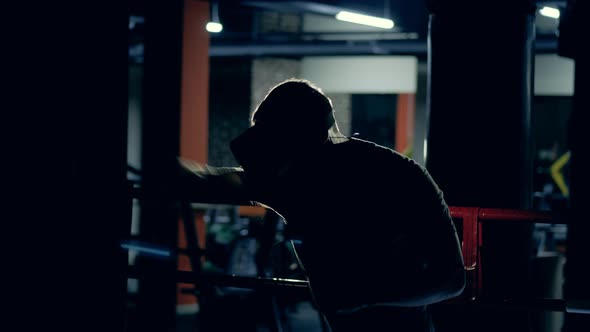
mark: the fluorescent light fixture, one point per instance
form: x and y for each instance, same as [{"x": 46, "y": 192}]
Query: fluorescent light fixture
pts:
[
  {"x": 365, "y": 19},
  {"x": 549, "y": 12},
  {"x": 214, "y": 27}
]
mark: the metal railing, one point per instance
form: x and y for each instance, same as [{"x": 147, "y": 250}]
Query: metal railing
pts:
[{"x": 471, "y": 220}]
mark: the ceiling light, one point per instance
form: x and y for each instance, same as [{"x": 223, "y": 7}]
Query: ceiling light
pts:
[
  {"x": 214, "y": 25},
  {"x": 365, "y": 19},
  {"x": 549, "y": 12}
]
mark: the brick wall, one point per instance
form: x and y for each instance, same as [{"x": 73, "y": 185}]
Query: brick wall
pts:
[{"x": 229, "y": 106}]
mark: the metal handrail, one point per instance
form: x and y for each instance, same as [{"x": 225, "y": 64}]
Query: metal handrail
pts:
[
  {"x": 472, "y": 219},
  {"x": 472, "y": 240}
]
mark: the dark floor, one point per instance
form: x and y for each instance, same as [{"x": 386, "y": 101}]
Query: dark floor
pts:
[
  {"x": 245, "y": 315},
  {"x": 299, "y": 317}
]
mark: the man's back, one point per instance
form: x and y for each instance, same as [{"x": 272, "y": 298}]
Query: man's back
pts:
[{"x": 356, "y": 209}]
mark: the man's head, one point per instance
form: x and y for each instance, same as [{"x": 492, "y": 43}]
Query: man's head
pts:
[
  {"x": 295, "y": 106},
  {"x": 293, "y": 119}
]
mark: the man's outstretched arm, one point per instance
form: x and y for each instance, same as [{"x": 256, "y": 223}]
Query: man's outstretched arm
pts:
[{"x": 202, "y": 183}]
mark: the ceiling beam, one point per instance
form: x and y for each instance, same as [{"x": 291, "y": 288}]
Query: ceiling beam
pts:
[{"x": 389, "y": 47}]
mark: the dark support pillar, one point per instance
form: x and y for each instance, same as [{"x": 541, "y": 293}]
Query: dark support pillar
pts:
[
  {"x": 160, "y": 148},
  {"x": 100, "y": 200},
  {"x": 478, "y": 148},
  {"x": 65, "y": 123},
  {"x": 576, "y": 272}
]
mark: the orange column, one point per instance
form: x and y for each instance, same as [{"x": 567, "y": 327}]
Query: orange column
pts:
[
  {"x": 404, "y": 131},
  {"x": 194, "y": 117}
]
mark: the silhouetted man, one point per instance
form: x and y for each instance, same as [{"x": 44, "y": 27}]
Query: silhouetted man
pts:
[{"x": 378, "y": 244}]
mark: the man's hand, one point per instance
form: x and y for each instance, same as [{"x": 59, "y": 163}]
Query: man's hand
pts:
[
  {"x": 192, "y": 166},
  {"x": 199, "y": 182}
]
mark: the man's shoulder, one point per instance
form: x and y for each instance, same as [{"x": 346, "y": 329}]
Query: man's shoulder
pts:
[
  {"x": 389, "y": 163},
  {"x": 378, "y": 151}
]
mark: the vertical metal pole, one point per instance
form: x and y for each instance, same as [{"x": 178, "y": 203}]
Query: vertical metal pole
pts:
[{"x": 160, "y": 148}]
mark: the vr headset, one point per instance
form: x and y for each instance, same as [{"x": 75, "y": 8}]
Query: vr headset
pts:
[{"x": 265, "y": 148}]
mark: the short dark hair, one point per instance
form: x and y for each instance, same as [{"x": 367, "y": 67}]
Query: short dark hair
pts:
[{"x": 293, "y": 102}]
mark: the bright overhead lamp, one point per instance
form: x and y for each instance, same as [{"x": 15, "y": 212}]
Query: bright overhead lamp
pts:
[
  {"x": 373, "y": 21},
  {"x": 549, "y": 12},
  {"x": 214, "y": 25}
]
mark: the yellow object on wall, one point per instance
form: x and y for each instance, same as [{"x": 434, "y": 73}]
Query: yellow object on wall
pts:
[{"x": 557, "y": 175}]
